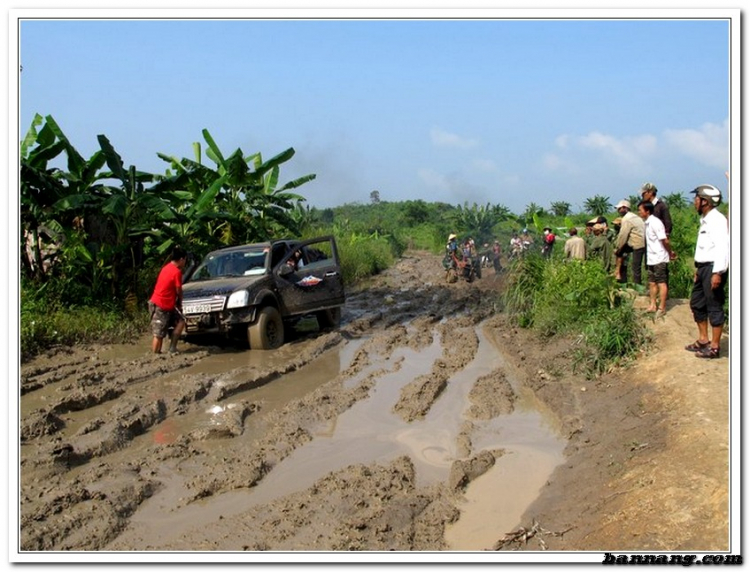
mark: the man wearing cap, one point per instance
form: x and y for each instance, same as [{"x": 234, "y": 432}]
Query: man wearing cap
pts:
[
  {"x": 630, "y": 239},
  {"x": 711, "y": 272},
  {"x": 588, "y": 232},
  {"x": 661, "y": 209},
  {"x": 600, "y": 247}
]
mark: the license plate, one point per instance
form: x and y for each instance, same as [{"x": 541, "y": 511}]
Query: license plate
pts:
[{"x": 196, "y": 309}]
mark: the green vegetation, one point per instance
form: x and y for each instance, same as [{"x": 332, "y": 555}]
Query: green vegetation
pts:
[
  {"x": 577, "y": 299},
  {"x": 95, "y": 232}
]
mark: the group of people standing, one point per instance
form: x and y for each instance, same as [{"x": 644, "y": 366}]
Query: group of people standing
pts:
[
  {"x": 635, "y": 239},
  {"x": 644, "y": 238}
]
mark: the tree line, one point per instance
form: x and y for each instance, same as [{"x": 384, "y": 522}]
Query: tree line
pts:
[{"x": 90, "y": 226}]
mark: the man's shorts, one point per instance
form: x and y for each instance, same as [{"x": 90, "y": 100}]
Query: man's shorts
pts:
[
  {"x": 659, "y": 273},
  {"x": 161, "y": 320}
]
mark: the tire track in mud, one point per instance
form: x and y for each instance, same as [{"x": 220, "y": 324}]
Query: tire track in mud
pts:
[
  {"x": 460, "y": 343},
  {"x": 80, "y": 487}
]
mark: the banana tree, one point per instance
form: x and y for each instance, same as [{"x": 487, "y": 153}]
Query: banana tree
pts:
[
  {"x": 134, "y": 211},
  {"x": 597, "y": 205},
  {"x": 477, "y": 220},
  {"x": 52, "y": 200},
  {"x": 255, "y": 209},
  {"x": 41, "y": 188}
]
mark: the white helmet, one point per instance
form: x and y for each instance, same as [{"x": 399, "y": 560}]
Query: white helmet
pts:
[{"x": 708, "y": 192}]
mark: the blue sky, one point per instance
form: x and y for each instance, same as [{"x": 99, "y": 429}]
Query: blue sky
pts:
[{"x": 502, "y": 111}]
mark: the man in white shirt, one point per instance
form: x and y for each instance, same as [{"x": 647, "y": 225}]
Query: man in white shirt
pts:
[
  {"x": 711, "y": 268},
  {"x": 658, "y": 253}
]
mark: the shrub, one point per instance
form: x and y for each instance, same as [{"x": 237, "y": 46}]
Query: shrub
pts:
[
  {"x": 572, "y": 291},
  {"x": 363, "y": 256},
  {"x": 524, "y": 279},
  {"x": 45, "y": 323},
  {"x": 577, "y": 298},
  {"x": 611, "y": 338}
]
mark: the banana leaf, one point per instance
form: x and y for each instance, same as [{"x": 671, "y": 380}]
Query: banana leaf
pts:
[
  {"x": 75, "y": 161},
  {"x": 114, "y": 161},
  {"x": 213, "y": 151}
]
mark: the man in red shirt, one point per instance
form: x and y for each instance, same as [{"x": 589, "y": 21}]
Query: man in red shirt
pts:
[{"x": 166, "y": 302}]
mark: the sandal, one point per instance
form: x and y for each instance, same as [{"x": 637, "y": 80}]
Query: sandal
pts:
[
  {"x": 708, "y": 353},
  {"x": 697, "y": 346}
]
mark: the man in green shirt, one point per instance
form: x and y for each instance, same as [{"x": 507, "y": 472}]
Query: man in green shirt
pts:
[{"x": 601, "y": 248}]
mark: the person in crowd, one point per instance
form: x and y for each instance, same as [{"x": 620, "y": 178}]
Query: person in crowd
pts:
[
  {"x": 601, "y": 248},
  {"x": 496, "y": 252},
  {"x": 658, "y": 251},
  {"x": 575, "y": 246},
  {"x": 661, "y": 208},
  {"x": 451, "y": 247},
  {"x": 453, "y": 253},
  {"x": 548, "y": 242},
  {"x": 476, "y": 261},
  {"x": 609, "y": 231},
  {"x": 166, "y": 302},
  {"x": 526, "y": 241},
  {"x": 630, "y": 240},
  {"x": 588, "y": 232},
  {"x": 516, "y": 246},
  {"x": 711, "y": 272}
]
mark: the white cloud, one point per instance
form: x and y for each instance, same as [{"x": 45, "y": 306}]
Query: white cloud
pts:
[
  {"x": 628, "y": 152},
  {"x": 442, "y": 138},
  {"x": 708, "y": 145}
]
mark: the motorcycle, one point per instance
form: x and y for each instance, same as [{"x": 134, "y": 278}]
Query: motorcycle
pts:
[{"x": 466, "y": 269}]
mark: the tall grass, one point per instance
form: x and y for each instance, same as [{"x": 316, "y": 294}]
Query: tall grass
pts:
[
  {"x": 45, "y": 323},
  {"x": 364, "y": 256},
  {"x": 576, "y": 298}
]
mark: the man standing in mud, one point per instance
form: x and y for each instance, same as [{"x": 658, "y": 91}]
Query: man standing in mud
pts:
[
  {"x": 166, "y": 301},
  {"x": 711, "y": 270}
]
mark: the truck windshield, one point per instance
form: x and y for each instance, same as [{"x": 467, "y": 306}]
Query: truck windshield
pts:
[{"x": 231, "y": 264}]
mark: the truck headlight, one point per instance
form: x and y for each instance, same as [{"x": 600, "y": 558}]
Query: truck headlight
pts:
[{"x": 238, "y": 299}]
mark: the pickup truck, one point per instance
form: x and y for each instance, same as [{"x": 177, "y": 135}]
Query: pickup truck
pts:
[{"x": 251, "y": 291}]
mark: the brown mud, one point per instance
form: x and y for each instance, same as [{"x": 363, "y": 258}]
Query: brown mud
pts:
[{"x": 425, "y": 423}]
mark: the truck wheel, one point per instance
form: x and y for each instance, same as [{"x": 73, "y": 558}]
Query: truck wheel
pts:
[
  {"x": 330, "y": 318},
  {"x": 267, "y": 333}
]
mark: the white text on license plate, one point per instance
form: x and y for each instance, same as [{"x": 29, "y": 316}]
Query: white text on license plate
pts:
[{"x": 196, "y": 309}]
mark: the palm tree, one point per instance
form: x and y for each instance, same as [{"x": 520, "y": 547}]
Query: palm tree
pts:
[{"x": 597, "y": 205}]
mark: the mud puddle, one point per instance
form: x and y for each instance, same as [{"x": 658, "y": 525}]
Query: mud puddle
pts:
[{"x": 370, "y": 432}]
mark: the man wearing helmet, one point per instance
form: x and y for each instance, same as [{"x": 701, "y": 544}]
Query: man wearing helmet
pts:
[{"x": 711, "y": 269}]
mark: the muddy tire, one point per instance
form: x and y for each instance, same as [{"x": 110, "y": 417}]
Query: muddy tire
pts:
[
  {"x": 267, "y": 333},
  {"x": 451, "y": 276},
  {"x": 329, "y": 319}
]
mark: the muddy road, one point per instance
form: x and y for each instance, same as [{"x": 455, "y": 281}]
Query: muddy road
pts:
[{"x": 424, "y": 423}]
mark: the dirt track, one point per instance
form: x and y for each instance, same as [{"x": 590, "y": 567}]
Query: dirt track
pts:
[{"x": 425, "y": 423}]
